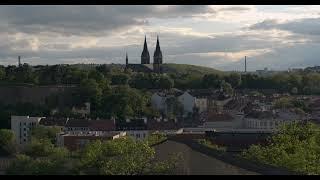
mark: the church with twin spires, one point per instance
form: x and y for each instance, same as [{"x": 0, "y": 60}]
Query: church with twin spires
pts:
[{"x": 145, "y": 65}]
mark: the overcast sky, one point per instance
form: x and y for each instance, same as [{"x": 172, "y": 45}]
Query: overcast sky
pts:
[{"x": 277, "y": 37}]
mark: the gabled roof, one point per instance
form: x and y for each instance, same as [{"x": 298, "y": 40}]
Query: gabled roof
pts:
[
  {"x": 53, "y": 121},
  {"x": 134, "y": 124},
  {"x": 102, "y": 125},
  {"x": 77, "y": 123},
  {"x": 171, "y": 92}
]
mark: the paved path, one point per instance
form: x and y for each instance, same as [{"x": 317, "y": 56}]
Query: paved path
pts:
[{"x": 195, "y": 163}]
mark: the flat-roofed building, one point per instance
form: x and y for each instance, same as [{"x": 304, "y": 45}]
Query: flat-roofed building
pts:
[{"x": 21, "y": 126}]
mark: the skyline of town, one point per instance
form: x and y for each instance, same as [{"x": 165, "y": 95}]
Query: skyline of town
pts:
[{"x": 277, "y": 37}]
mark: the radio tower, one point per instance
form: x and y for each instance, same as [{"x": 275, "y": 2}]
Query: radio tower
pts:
[
  {"x": 245, "y": 64},
  {"x": 19, "y": 60}
]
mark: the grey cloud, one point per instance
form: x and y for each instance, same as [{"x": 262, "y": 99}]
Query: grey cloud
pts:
[
  {"x": 88, "y": 20},
  {"x": 297, "y": 56},
  {"x": 236, "y": 8},
  {"x": 308, "y": 26},
  {"x": 183, "y": 50}
]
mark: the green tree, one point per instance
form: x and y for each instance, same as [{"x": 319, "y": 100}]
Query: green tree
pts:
[
  {"x": 25, "y": 165},
  {"x": 296, "y": 147},
  {"x": 43, "y": 148},
  {"x": 165, "y": 82},
  {"x": 43, "y": 132},
  {"x": 124, "y": 102},
  {"x": 2, "y": 73},
  {"x": 7, "y": 142},
  {"x": 120, "y": 79},
  {"x": 211, "y": 81},
  {"x": 89, "y": 91},
  {"x": 120, "y": 157},
  {"x": 227, "y": 88},
  {"x": 234, "y": 79}
]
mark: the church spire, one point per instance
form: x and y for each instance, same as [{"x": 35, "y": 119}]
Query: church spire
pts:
[
  {"x": 145, "y": 57},
  {"x": 158, "y": 44},
  {"x": 157, "y": 56}
]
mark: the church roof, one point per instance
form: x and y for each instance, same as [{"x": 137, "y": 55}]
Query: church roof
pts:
[{"x": 140, "y": 67}]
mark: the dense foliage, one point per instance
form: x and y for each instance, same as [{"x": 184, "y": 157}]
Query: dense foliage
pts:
[
  {"x": 211, "y": 145},
  {"x": 115, "y": 91},
  {"x": 155, "y": 139},
  {"x": 121, "y": 156},
  {"x": 295, "y": 147},
  {"x": 7, "y": 142}
]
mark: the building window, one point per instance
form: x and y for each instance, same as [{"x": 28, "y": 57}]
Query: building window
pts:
[{"x": 24, "y": 123}]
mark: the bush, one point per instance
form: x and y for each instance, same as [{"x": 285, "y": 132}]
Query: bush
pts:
[{"x": 295, "y": 147}]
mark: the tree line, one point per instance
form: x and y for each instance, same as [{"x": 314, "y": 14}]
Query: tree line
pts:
[{"x": 123, "y": 156}]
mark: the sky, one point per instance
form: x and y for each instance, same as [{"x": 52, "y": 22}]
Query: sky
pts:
[{"x": 276, "y": 37}]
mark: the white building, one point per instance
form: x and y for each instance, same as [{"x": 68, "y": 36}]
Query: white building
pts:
[
  {"x": 272, "y": 122},
  {"x": 158, "y": 101},
  {"x": 190, "y": 101},
  {"x": 21, "y": 126}
]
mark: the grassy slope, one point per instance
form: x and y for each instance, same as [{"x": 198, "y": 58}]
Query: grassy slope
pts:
[
  {"x": 186, "y": 68},
  {"x": 168, "y": 68}
]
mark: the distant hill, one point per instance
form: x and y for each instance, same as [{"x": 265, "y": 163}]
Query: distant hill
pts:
[
  {"x": 167, "y": 68},
  {"x": 187, "y": 68}
]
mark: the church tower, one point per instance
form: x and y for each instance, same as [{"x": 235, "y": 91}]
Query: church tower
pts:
[
  {"x": 145, "y": 57},
  {"x": 157, "y": 58}
]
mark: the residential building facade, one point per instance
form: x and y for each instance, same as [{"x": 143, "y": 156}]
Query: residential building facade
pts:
[{"x": 21, "y": 126}]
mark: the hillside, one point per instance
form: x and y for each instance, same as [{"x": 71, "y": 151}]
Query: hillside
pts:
[
  {"x": 187, "y": 68},
  {"x": 168, "y": 68}
]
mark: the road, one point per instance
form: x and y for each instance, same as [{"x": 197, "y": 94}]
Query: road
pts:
[{"x": 195, "y": 163}]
